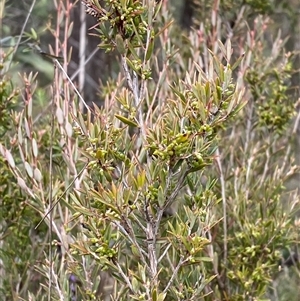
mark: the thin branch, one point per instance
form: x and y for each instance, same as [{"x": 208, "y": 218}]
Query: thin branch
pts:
[
  {"x": 248, "y": 129},
  {"x": 127, "y": 73},
  {"x": 215, "y": 266},
  {"x": 170, "y": 262},
  {"x": 72, "y": 84},
  {"x": 133, "y": 241},
  {"x": 86, "y": 61},
  {"x": 164, "y": 253},
  {"x": 51, "y": 184},
  {"x": 294, "y": 132},
  {"x": 82, "y": 47},
  {"x": 54, "y": 276},
  {"x": 180, "y": 263},
  {"x": 52, "y": 207},
  {"x": 124, "y": 276},
  {"x": 169, "y": 200},
  {"x": 22, "y": 32},
  {"x": 266, "y": 167},
  {"x": 133, "y": 85},
  {"x": 223, "y": 193},
  {"x": 138, "y": 222},
  {"x": 158, "y": 86}
]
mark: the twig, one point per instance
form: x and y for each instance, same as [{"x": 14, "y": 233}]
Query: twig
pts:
[
  {"x": 180, "y": 263},
  {"x": 248, "y": 130},
  {"x": 164, "y": 253},
  {"x": 266, "y": 165},
  {"x": 124, "y": 276},
  {"x": 54, "y": 276},
  {"x": 289, "y": 148},
  {"x": 82, "y": 47},
  {"x": 215, "y": 267},
  {"x": 22, "y": 32},
  {"x": 222, "y": 180},
  {"x": 52, "y": 207},
  {"x": 158, "y": 86},
  {"x": 138, "y": 222},
  {"x": 72, "y": 84},
  {"x": 51, "y": 184},
  {"x": 142, "y": 253},
  {"x": 169, "y": 200},
  {"x": 133, "y": 85},
  {"x": 127, "y": 73},
  {"x": 86, "y": 61}
]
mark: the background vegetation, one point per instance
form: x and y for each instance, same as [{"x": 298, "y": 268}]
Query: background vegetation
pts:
[{"x": 159, "y": 147}]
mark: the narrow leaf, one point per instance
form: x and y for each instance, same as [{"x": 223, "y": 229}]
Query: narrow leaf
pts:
[
  {"x": 10, "y": 159},
  {"x": 37, "y": 174},
  {"x": 34, "y": 148},
  {"x": 126, "y": 120},
  {"x": 28, "y": 169}
]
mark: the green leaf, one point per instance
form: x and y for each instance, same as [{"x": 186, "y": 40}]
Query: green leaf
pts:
[
  {"x": 120, "y": 44},
  {"x": 84, "y": 210},
  {"x": 140, "y": 179},
  {"x": 236, "y": 64},
  {"x": 132, "y": 51},
  {"x": 154, "y": 294},
  {"x": 161, "y": 296},
  {"x": 34, "y": 34},
  {"x": 150, "y": 49},
  {"x": 126, "y": 120},
  {"x": 132, "y": 66}
]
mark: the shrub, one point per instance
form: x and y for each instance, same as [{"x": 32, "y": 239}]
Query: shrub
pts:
[{"x": 173, "y": 189}]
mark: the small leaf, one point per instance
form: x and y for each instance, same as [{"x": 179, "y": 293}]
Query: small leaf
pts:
[
  {"x": 29, "y": 107},
  {"x": 69, "y": 163},
  {"x": 132, "y": 66},
  {"x": 133, "y": 52},
  {"x": 81, "y": 123},
  {"x": 27, "y": 129},
  {"x": 28, "y": 169},
  {"x": 126, "y": 120},
  {"x": 70, "y": 54},
  {"x": 164, "y": 28},
  {"x": 161, "y": 297},
  {"x": 154, "y": 294},
  {"x": 34, "y": 35},
  {"x": 141, "y": 179},
  {"x": 37, "y": 174},
  {"x": 135, "y": 284},
  {"x": 84, "y": 210},
  {"x": 20, "y": 136},
  {"x": 161, "y": 197},
  {"x": 204, "y": 259},
  {"x": 69, "y": 129},
  {"x": 34, "y": 148},
  {"x": 238, "y": 61},
  {"x": 59, "y": 116},
  {"x": 100, "y": 153},
  {"x": 228, "y": 50},
  {"x": 22, "y": 183},
  {"x": 70, "y": 29},
  {"x": 120, "y": 44},
  {"x": 10, "y": 159},
  {"x": 150, "y": 49},
  {"x": 75, "y": 198}
]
